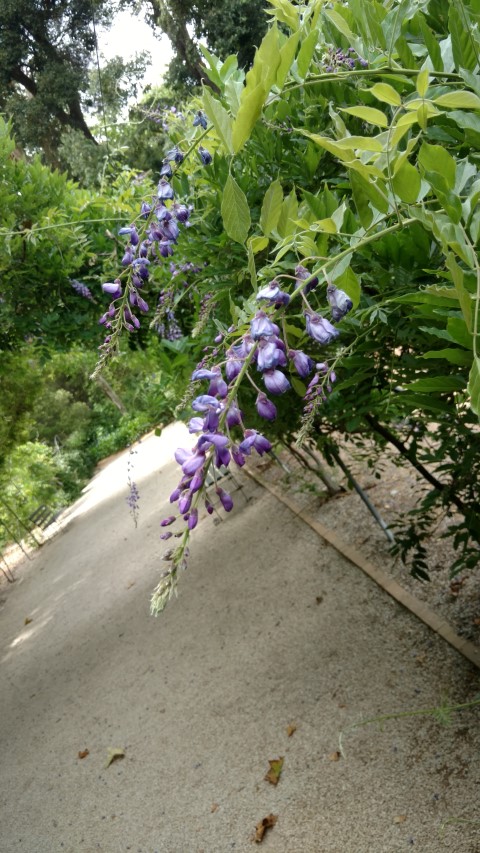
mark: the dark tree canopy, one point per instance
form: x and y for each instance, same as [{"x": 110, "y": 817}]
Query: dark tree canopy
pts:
[
  {"x": 45, "y": 50},
  {"x": 228, "y": 26}
]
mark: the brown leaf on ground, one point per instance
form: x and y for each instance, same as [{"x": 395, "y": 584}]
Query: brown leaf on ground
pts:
[
  {"x": 291, "y": 729},
  {"x": 275, "y": 771},
  {"x": 83, "y": 753},
  {"x": 214, "y": 807},
  {"x": 27, "y": 620},
  {"x": 114, "y": 754},
  {"x": 334, "y": 756},
  {"x": 263, "y": 825},
  {"x": 400, "y": 818}
]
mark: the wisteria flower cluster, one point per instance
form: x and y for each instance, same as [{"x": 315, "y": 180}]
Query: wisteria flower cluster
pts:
[
  {"x": 259, "y": 353},
  {"x": 336, "y": 59},
  {"x": 218, "y": 423},
  {"x": 150, "y": 240}
]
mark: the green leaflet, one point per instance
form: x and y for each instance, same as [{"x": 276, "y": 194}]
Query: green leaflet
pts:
[
  {"x": 271, "y": 207},
  {"x": 454, "y": 356},
  {"x": 463, "y": 46},
  {"x": 406, "y": 183},
  {"x": 259, "y": 80},
  {"x": 474, "y": 386},
  {"x": 437, "y": 384},
  {"x": 235, "y": 211},
  {"x": 305, "y": 53},
  {"x": 368, "y": 114},
  {"x": 287, "y": 55},
  {"x": 385, "y": 93},
  {"x": 458, "y": 100},
  {"x": 220, "y": 119}
]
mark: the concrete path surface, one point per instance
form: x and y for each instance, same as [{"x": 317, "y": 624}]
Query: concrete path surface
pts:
[{"x": 272, "y": 628}]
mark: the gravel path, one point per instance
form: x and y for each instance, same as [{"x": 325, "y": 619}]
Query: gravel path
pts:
[{"x": 271, "y": 629}]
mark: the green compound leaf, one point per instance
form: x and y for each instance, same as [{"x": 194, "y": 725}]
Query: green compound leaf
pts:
[{"x": 235, "y": 211}]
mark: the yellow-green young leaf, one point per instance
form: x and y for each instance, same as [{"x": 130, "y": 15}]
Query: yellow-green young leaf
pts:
[
  {"x": 368, "y": 114},
  {"x": 474, "y": 386},
  {"x": 305, "y": 53},
  {"x": 251, "y": 265},
  {"x": 459, "y": 100},
  {"x": 330, "y": 145},
  {"x": 422, "y": 116},
  {"x": 287, "y": 55},
  {"x": 258, "y": 244},
  {"x": 271, "y": 207},
  {"x": 220, "y": 119},
  {"x": 326, "y": 226},
  {"x": 235, "y": 211},
  {"x": 285, "y": 12},
  {"x": 249, "y": 111},
  {"x": 361, "y": 143},
  {"x": 385, "y": 93},
  {"x": 422, "y": 83},
  {"x": 406, "y": 183},
  {"x": 406, "y": 120},
  {"x": 265, "y": 62},
  {"x": 463, "y": 294},
  {"x": 416, "y": 103}
]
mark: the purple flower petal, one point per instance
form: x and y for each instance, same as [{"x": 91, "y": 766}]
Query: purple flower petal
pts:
[{"x": 275, "y": 381}]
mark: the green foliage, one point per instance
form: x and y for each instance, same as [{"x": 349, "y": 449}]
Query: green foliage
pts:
[{"x": 351, "y": 147}]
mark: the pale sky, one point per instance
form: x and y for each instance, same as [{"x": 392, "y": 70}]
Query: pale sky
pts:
[{"x": 129, "y": 35}]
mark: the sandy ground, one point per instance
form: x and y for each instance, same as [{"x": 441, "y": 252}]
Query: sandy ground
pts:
[{"x": 272, "y": 628}]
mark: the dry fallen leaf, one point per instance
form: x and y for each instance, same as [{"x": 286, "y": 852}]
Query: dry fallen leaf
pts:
[
  {"x": 83, "y": 753},
  {"x": 214, "y": 807},
  {"x": 114, "y": 754},
  {"x": 334, "y": 756},
  {"x": 28, "y": 620},
  {"x": 291, "y": 728},
  {"x": 263, "y": 825},
  {"x": 399, "y": 818},
  {"x": 275, "y": 771}
]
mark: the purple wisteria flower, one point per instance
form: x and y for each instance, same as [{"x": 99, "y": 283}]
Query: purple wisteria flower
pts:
[
  {"x": 113, "y": 288},
  {"x": 261, "y": 326},
  {"x": 303, "y": 363},
  {"x": 272, "y": 293},
  {"x": 275, "y": 381},
  {"x": 256, "y": 441},
  {"x": 265, "y": 408},
  {"x": 302, "y": 274},
  {"x": 200, "y": 120},
  {"x": 165, "y": 191},
  {"x": 205, "y": 155},
  {"x": 81, "y": 289},
  {"x": 339, "y": 302},
  {"x": 320, "y": 329}
]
